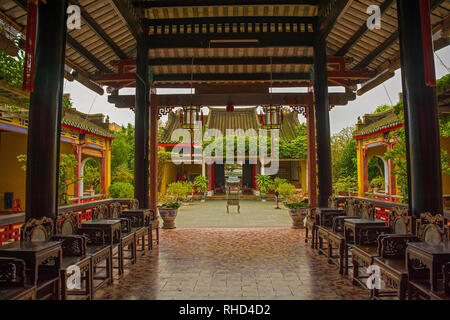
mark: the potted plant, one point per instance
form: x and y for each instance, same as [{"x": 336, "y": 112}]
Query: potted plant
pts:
[
  {"x": 202, "y": 186},
  {"x": 189, "y": 192},
  {"x": 285, "y": 190},
  {"x": 377, "y": 183},
  {"x": 298, "y": 210},
  {"x": 168, "y": 210},
  {"x": 264, "y": 183}
]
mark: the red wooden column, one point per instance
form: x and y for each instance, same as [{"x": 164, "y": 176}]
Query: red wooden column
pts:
[
  {"x": 311, "y": 132},
  {"x": 390, "y": 175},
  {"x": 153, "y": 155}
]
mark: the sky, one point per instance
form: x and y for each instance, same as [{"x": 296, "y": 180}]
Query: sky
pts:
[{"x": 341, "y": 117}]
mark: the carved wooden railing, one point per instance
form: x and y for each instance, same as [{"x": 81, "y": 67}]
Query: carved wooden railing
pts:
[
  {"x": 382, "y": 208},
  {"x": 10, "y": 225}
]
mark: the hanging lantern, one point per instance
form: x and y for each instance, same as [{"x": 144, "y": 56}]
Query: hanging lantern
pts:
[
  {"x": 190, "y": 117},
  {"x": 230, "y": 107},
  {"x": 272, "y": 117}
]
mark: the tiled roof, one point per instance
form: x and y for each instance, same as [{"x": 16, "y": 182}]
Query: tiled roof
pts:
[
  {"x": 376, "y": 122},
  {"x": 240, "y": 118},
  {"x": 75, "y": 119}
]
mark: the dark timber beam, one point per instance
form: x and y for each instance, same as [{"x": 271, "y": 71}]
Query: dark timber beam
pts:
[
  {"x": 141, "y": 122},
  {"x": 230, "y": 20},
  {"x": 93, "y": 25},
  {"x": 209, "y": 3},
  {"x": 230, "y": 77},
  {"x": 133, "y": 24},
  {"x": 85, "y": 53},
  {"x": 420, "y": 109},
  {"x": 231, "y": 40},
  {"x": 323, "y": 137},
  {"x": 238, "y": 99},
  {"x": 230, "y": 61},
  {"x": 361, "y": 31},
  {"x": 45, "y": 111}
]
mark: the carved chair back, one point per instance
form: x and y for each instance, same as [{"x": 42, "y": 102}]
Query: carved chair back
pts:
[
  {"x": 350, "y": 208},
  {"x": 134, "y": 204},
  {"x": 12, "y": 272},
  {"x": 366, "y": 210},
  {"x": 332, "y": 202},
  {"x": 67, "y": 224},
  {"x": 432, "y": 229},
  {"x": 115, "y": 210},
  {"x": 400, "y": 221},
  {"x": 100, "y": 212},
  {"x": 37, "y": 230}
]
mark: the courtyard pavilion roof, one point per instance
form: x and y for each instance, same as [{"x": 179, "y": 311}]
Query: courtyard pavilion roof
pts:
[
  {"x": 241, "y": 118},
  {"x": 265, "y": 47},
  {"x": 376, "y": 122},
  {"x": 73, "y": 119}
]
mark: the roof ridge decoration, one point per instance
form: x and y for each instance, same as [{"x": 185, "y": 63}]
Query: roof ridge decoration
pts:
[{"x": 375, "y": 122}]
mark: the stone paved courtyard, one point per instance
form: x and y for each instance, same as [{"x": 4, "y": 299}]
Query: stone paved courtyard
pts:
[
  {"x": 213, "y": 213},
  {"x": 232, "y": 263}
]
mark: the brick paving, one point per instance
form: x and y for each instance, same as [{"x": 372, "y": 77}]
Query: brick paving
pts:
[{"x": 232, "y": 263}]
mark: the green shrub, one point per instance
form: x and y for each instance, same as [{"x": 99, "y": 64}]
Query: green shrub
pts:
[
  {"x": 121, "y": 190},
  {"x": 286, "y": 190},
  {"x": 377, "y": 182},
  {"x": 264, "y": 183}
]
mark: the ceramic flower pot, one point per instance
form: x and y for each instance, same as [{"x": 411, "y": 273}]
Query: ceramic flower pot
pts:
[
  {"x": 168, "y": 216},
  {"x": 264, "y": 198},
  {"x": 298, "y": 216}
]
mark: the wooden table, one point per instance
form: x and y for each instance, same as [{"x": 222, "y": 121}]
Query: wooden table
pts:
[
  {"x": 34, "y": 254},
  {"x": 431, "y": 256},
  {"x": 324, "y": 216},
  {"x": 112, "y": 229},
  {"x": 357, "y": 226}
]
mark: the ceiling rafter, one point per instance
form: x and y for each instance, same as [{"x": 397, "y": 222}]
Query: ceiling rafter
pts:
[
  {"x": 93, "y": 25},
  {"x": 361, "y": 31},
  {"x": 209, "y": 3}
]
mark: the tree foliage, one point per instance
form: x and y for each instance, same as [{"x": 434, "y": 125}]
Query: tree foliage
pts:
[{"x": 121, "y": 190}]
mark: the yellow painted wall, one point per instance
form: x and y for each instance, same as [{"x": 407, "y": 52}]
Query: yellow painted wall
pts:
[
  {"x": 67, "y": 148},
  {"x": 359, "y": 155},
  {"x": 303, "y": 176},
  {"x": 169, "y": 175},
  {"x": 12, "y": 177}
]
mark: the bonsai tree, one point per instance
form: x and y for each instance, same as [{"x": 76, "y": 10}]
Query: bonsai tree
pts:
[
  {"x": 377, "y": 183},
  {"x": 285, "y": 190},
  {"x": 168, "y": 202},
  {"x": 201, "y": 183},
  {"x": 264, "y": 183},
  {"x": 296, "y": 202},
  {"x": 345, "y": 185}
]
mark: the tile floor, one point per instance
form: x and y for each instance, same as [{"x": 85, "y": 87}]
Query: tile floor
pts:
[{"x": 232, "y": 263}]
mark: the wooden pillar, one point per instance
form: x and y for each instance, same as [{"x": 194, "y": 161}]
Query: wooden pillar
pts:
[
  {"x": 322, "y": 122},
  {"x": 312, "y": 174},
  {"x": 420, "y": 107},
  {"x": 141, "y": 140},
  {"x": 153, "y": 158},
  {"x": 45, "y": 111}
]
